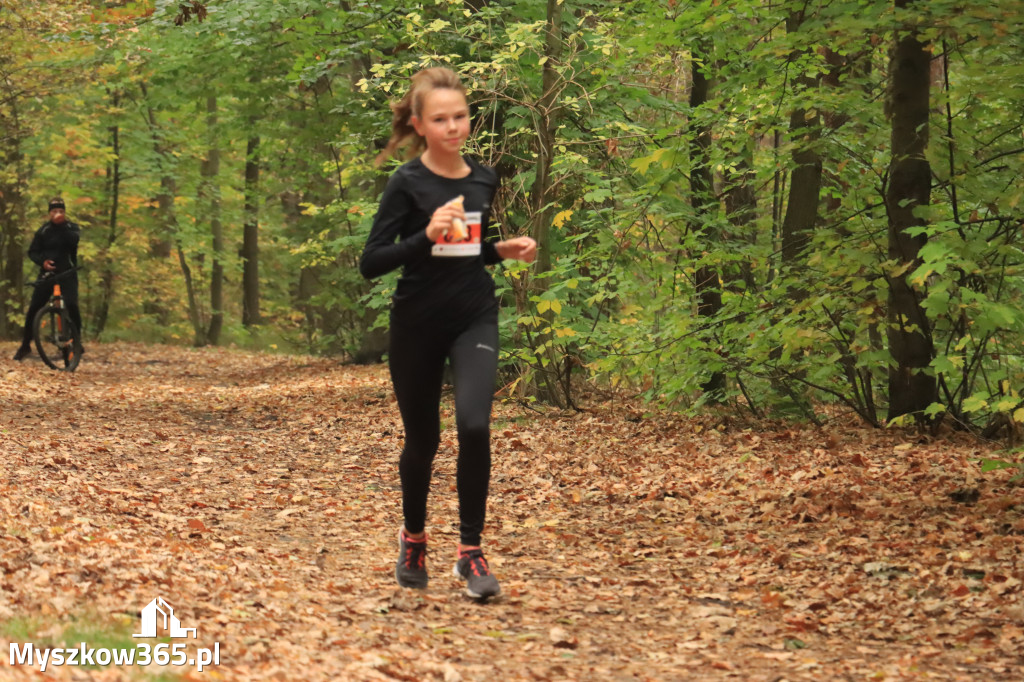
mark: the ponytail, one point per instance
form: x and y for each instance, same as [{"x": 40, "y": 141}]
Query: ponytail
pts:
[{"x": 402, "y": 131}]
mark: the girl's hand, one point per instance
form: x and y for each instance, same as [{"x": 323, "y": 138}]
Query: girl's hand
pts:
[
  {"x": 441, "y": 221},
  {"x": 520, "y": 248}
]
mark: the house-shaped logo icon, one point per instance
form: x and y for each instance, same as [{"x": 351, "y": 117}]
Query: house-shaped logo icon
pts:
[{"x": 159, "y": 607}]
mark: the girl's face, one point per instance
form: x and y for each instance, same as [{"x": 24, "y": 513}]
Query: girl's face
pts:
[{"x": 443, "y": 121}]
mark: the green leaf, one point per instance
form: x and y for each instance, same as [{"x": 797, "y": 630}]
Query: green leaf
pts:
[
  {"x": 974, "y": 403},
  {"x": 996, "y": 464}
]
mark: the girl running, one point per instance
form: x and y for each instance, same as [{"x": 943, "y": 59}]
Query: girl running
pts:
[{"x": 432, "y": 222}]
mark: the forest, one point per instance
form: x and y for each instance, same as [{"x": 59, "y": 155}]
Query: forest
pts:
[
  {"x": 759, "y": 400},
  {"x": 790, "y": 208}
]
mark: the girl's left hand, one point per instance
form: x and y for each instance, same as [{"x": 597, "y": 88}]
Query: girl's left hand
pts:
[{"x": 520, "y": 248}]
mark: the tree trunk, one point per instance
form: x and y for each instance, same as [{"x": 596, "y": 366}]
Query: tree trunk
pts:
[
  {"x": 741, "y": 209},
  {"x": 199, "y": 334},
  {"x": 168, "y": 237},
  {"x": 250, "y": 236},
  {"x": 113, "y": 197},
  {"x": 805, "y": 178},
  {"x": 210, "y": 169},
  {"x": 551, "y": 387},
  {"x": 373, "y": 343},
  {"x": 708, "y": 284},
  {"x": 160, "y": 242},
  {"x": 547, "y": 124},
  {"x": 12, "y": 222},
  {"x": 911, "y": 389},
  {"x": 169, "y": 222},
  {"x": 839, "y": 65}
]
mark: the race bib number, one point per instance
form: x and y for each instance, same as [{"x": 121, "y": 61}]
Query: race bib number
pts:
[{"x": 447, "y": 246}]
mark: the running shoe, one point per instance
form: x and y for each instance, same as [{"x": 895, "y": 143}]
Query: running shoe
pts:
[
  {"x": 472, "y": 567},
  {"x": 411, "y": 567}
]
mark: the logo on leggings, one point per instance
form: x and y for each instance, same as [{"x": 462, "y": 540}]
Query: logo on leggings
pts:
[{"x": 480, "y": 345}]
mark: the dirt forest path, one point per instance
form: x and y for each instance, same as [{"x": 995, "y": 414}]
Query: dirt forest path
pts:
[{"x": 258, "y": 494}]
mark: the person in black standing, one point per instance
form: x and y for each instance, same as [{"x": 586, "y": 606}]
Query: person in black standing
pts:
[
  {"x": 54, "y": 249},
  {"x": 432, "y": 222}
]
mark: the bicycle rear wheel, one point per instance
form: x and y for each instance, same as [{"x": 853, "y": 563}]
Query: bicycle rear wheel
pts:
[{"x": 57, "y": 339}]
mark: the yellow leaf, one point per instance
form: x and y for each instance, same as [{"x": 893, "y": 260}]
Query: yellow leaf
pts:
[
  {"x": 556, "y": 306},
  {"x": 644, "y": 164},
  {"x": 900, "y": 269},
  {"x": 561, "y": 217},
  {"x": 543, "y": 306}
]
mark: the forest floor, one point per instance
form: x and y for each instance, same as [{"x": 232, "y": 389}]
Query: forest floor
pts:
[{"x": 258, "y": 494}]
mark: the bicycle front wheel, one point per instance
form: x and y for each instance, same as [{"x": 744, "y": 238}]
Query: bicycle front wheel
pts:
[{"x": 57, "y": 339}]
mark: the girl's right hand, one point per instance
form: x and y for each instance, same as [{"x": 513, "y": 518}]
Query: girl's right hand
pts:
[{"x": 441, "y": 221}]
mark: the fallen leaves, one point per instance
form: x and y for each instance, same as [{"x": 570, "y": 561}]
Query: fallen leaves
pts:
[{"x": 259, "y": 494}]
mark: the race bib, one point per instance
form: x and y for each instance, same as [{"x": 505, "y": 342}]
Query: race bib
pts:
[{"x": 447, "y": 246}]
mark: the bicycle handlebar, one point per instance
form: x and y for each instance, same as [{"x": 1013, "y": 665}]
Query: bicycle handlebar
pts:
[{"x": 51, "y": 277}]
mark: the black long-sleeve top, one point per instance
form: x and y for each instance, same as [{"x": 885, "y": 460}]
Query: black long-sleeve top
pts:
[
  {"x": 443, "y": 283},
  {"x": 58, "y": 243}
]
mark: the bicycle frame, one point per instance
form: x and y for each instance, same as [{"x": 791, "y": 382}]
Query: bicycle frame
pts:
[
  {"x": 57, "y": 300},
  {"x": 56, "y": 337}
]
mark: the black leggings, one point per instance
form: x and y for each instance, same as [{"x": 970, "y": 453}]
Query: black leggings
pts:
[
  {"x": 41, "y": 295},
  {"x": 417, "y": 360}
]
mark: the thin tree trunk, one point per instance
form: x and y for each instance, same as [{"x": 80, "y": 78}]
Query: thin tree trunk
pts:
[
  {"x": 741, "y": 209},
  {"x": 250, "y": 236},
  {"x": 199, "y": 334},
  {"x": 160, "y": 242},
  {"x": 911, "y": 389},
  {"x": 160, "y": 245},
  {"x": 839, "y": 65},
  {"x": 210, "y": 170},
  {"x": 860, "y": 378},
  {"x": 167, "y": 238},
  {"x": 114, "y": 197},
  {"x": 165, "y": 201},
  {"x": 708, "y": 283},
  {"x": 373, "y": 343}
]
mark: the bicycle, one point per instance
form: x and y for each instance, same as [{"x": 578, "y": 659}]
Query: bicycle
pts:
[{"x": 56, "y": 337}]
